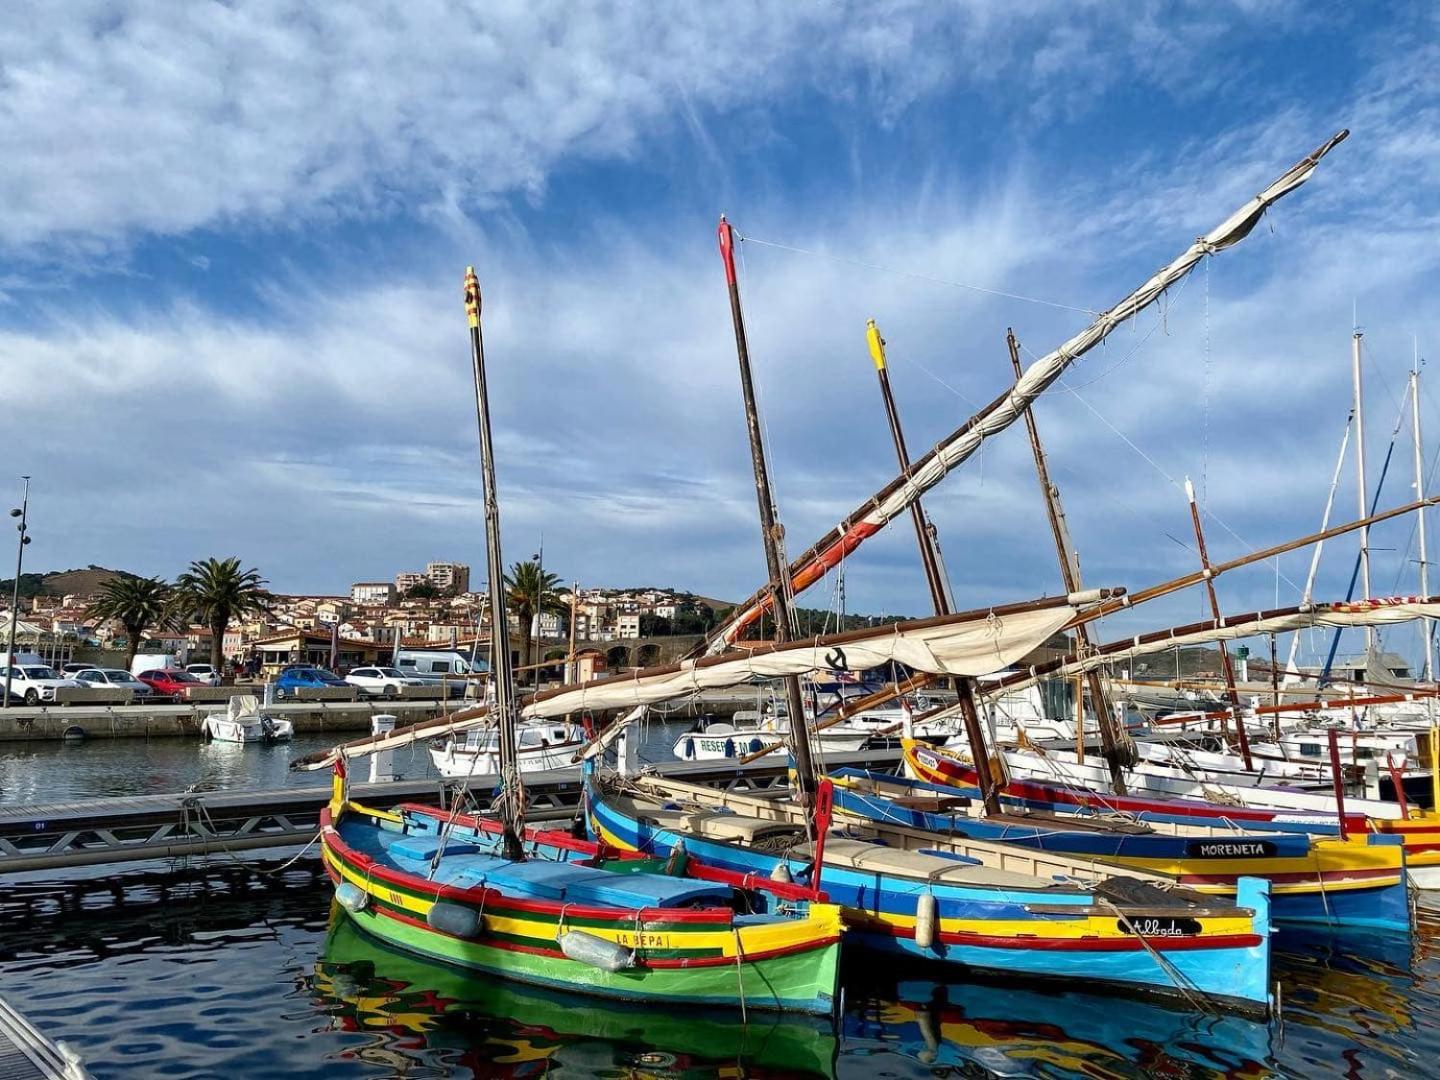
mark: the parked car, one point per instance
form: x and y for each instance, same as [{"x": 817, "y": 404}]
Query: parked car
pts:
[
  {"x": 120, "y": 679},
  {"x": 205, "y": 673},
  {"x": 302, "y": 677},
  {"x": 71, "y": 668},
  {"x": 34, "y": 683},
  {"x": 172, "y": 682},
  {"x": 381, "y": 681}
]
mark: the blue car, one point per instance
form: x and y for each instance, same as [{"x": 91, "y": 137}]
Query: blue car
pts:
[{"x": 300, "y": 678}]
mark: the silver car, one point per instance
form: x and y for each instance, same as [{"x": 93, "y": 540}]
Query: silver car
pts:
[{"x": 120, "y": 679}]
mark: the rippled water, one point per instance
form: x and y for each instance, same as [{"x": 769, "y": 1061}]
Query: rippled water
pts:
[{"x": 255, "y": 977}]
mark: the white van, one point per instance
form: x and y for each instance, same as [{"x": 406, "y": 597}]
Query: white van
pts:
[
  {"x": 155, "y": 661},
  {"x": 432, "y": 664}
]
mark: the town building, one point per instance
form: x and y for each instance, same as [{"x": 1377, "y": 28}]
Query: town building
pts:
[
  {"x": 450, "y": 576},
  {"x": 372, "y": 592},
  {"x": 407, "y": 580}
]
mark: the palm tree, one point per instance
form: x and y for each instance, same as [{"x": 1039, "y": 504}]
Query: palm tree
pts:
[
  {"x": 137, "y": 603},
  {"x": 529, "y": 590},
  {"x": 216, "y": 592}
]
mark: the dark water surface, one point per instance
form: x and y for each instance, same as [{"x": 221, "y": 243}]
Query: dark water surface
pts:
[{"x": 257, "y": 978}]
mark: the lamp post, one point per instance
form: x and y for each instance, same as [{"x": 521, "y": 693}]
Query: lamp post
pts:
[
  {"x": 23, "y": 513},
  {"x": 534, "y": 629}
]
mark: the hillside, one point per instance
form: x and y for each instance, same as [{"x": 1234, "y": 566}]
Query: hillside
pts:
[{"x": 61, "y": 582}]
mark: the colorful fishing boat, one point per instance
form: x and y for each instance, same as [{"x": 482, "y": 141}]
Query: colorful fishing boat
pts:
[
  {"x": 494, "y": 1028},
  {"x": 1062, "y": 792},
  {"x": 971, "y": 905},
  {"x": 1357, "y": 881},
  {"x": 569, "y": 918}
]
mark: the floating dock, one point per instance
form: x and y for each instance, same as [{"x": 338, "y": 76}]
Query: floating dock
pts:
[
  {"x": 27, "y": 1054},
  {"x": 110, "y": 831}
]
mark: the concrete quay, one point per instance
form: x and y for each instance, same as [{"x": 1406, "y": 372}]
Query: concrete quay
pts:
[{"x": 90, "y": 721}]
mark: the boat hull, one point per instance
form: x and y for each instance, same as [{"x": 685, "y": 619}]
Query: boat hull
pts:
[
  {"x": 683, "y": 956},
  {"x": 1003, "y": 930},
  {"x": 1359, "y": 882}
]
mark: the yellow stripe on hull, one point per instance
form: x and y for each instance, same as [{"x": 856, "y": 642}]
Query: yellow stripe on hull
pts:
[{"x": 823, "y": 922}]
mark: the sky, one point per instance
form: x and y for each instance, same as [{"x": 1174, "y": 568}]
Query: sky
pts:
[{"x": 234, "y": 236}]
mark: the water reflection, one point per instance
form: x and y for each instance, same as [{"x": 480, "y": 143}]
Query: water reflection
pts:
[
  {"x": 429, "y": 1015},
  {"x": 994, "y": 1030}
]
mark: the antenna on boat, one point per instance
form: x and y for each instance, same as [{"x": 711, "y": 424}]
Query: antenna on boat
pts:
[
  {"x": 511, "y": 801},
  {"x": 934, "y": 578},
  {"x": 770, "y": 529}
]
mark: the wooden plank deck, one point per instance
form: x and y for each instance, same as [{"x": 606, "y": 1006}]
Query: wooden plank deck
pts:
[{"x": 26, "y": 1053}]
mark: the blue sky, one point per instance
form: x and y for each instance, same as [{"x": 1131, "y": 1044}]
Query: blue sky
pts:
[{"x": 234, "y": 236}]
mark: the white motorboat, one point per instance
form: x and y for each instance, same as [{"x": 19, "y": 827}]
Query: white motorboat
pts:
[
  {"x": 243, "y": 721},
  {"x": 543, "y": 746},
  {"x": 718, "y": 740}
]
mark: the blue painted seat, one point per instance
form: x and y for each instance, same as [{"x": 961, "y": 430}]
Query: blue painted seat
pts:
[
  {"x": 646, "y": 890},
  {"x": 424, "y": 846},
  {"x": 541, "y": 880}
]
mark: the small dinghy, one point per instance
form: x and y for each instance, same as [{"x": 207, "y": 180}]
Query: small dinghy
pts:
[{"x": 243, "y": 721}]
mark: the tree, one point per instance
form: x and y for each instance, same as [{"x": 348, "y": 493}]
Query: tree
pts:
[
  {"x": 216, "y": 592},
  {"x": 654, "y": 626},
  {"x": 137, "y": 603},
  {"x": 528, "y": 590},
  {"x": 692, "y": 618},
  {"x": 424, "y": 590}
]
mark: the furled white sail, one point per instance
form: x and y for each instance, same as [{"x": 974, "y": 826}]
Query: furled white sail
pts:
[
  {"x": 1384, "y": 611},
  {"x": 968, "y": 644},
  {"x": 930, "y": 469}
]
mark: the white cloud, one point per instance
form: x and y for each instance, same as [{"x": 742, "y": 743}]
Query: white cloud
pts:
[{"x": 126, "y": 118}]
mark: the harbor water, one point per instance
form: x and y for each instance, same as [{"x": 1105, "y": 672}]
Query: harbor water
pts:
[{"x": 257, "y": 976}]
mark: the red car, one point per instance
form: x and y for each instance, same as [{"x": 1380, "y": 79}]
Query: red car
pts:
[{"x": 170, "y": 681}]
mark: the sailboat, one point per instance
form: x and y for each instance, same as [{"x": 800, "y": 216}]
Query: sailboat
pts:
[
  {"x": 501, "y": 900},
  {"x": 984, "y": 907},
  {"x": 1356, "y": 881}
]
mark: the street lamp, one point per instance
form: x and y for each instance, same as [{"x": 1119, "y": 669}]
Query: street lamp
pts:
[
  {"x": 23, "y": 513},
  {"x": 539, "y": 558}
]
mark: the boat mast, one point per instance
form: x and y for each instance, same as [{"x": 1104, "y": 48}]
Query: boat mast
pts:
[
  {"x": 931, "y": 467},
  {"x": 1070, "y": 575},
  {"x": 502, "y": 677},
  {"x": 1324, "y": 524},
  {"x": 934, "y": 578},
  {"x": 1225, "y": 664},
  {"x": 1420, "y": 494},
  {"x": 1360, "y": 490},
  {"x": 770, "y": 530}
]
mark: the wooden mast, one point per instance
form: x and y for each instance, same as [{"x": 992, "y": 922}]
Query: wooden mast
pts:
[
  {"x": 1209, "y": 576},
  {"x": 502, "y": 678},
  {"x": 1070, "y": 574},
  {"x": 771, "y": 533},
  {"x": 964, "y": 688}
]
